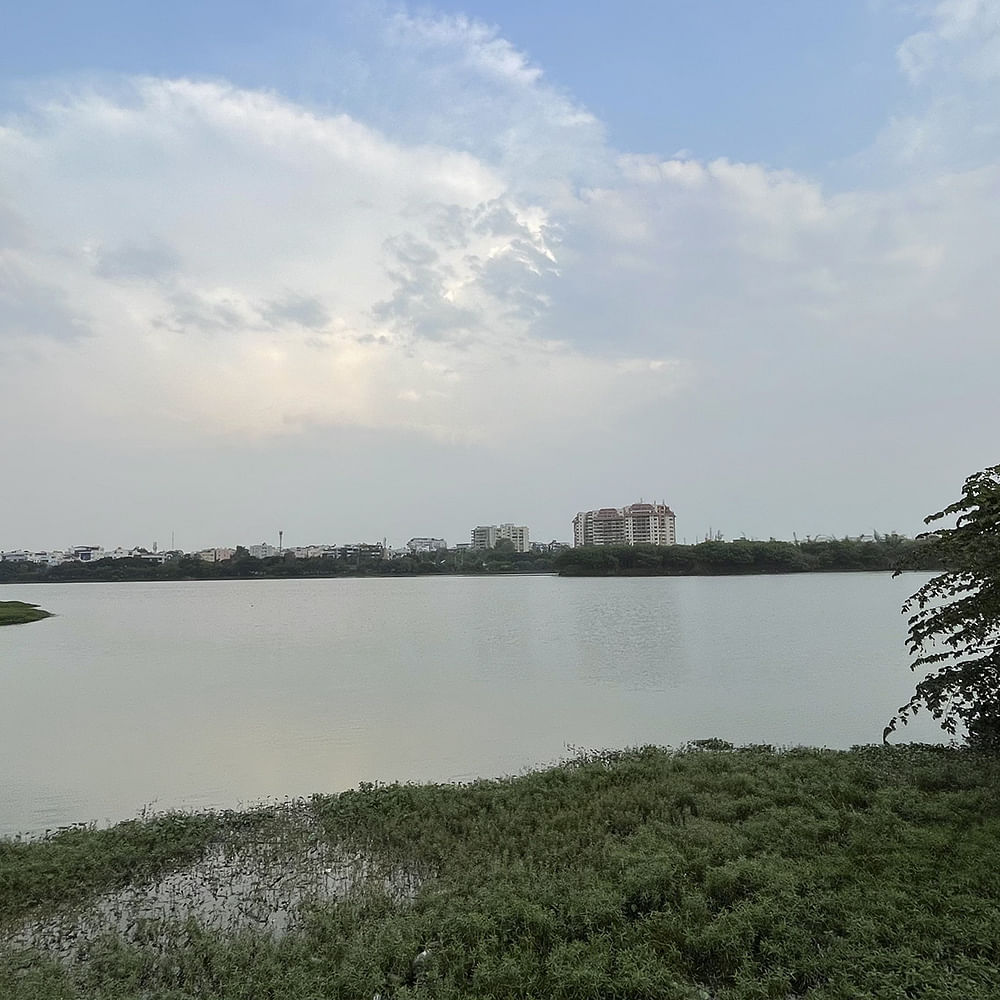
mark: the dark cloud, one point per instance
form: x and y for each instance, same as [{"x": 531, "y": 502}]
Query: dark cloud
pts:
[
  {"x": 138, "y": 262},
  {"x": 194, "y": 313},
  {"x": 419, "y": 305},
  {"x": 303, "y": 310},
  {"x": 516, "y": 280}
]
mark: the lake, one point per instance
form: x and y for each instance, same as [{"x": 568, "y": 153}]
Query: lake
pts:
[{"x": 225, "y": 693}]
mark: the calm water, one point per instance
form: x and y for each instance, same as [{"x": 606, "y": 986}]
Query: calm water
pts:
[{"x": 222, "y": 693}]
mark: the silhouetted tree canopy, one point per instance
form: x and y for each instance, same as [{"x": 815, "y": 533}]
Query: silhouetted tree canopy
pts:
[{"x": 954, "y": 623}]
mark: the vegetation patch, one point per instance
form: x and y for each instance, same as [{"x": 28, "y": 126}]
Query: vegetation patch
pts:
[
  {"x": 19, "y": 613},
  {"x": 744, "y": 557},
  {"x": 259, "y": 871},
  {"x": 710, "y": 872}
]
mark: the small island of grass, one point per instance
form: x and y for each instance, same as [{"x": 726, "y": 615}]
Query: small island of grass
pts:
[{"x": 19, "y": 613}]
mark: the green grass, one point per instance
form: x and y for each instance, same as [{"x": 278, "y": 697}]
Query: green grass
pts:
[
  {"x": 19, "y": 613},
  {"x": 721, "y": 873},
  {"x": 74, "y": 864}
]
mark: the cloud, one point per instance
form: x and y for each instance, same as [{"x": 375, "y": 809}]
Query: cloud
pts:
[
  {"x": 457, "y": 82},
  {"x": 242, "y": 265},
  {"x": 964, "y": 36},
  {"x": 953, "y": 67},
  {"x": 471, "y": 263},
  {"x": 304, "y": 310}
]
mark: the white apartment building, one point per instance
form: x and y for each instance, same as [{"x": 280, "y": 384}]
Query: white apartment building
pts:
[
  {"x": 516, "y": 533},
  {"x": 486, "y": 536},
  {"x": 483, "y": 537},
  {"x": 426, "y": 545},
  {"x": 637, "y": 524}
]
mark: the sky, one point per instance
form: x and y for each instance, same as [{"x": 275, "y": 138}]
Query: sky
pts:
[{"x": 367, "y": 270}]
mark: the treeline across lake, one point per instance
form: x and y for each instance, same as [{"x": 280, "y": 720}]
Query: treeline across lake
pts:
[
  {"x": 285, "y": 566},
  {"x": 885, "y": 552},
  {"x": 716, "y": 558}
]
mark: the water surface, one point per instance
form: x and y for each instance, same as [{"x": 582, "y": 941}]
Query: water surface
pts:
[{"x": 221, "y": 693}]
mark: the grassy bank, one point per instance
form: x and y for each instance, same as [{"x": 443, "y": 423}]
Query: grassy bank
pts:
[
  {"x": 645, "y": 874},
  {"x": 19, "y": 613}
]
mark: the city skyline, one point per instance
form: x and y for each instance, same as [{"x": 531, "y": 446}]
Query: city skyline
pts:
[{"x": 371, "y": 269}]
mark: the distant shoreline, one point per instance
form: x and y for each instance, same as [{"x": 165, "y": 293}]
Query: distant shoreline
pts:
[
  {"x": 569, "y": 574},
  {"x": 890, "y": 553}
]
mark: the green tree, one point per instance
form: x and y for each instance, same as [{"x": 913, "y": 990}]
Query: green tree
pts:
[{"x": 954, "y": 623}]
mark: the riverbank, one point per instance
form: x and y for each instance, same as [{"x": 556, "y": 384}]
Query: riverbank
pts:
[
  {"x": 711, "y": 558},
  {"x": 710, "y": 872},
  {"x": 19, "y": 613}
]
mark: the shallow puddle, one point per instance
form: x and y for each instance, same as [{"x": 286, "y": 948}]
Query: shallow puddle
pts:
[{"x": 245, "y": 882}]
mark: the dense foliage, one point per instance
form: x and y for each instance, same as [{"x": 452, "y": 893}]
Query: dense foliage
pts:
[
  {"x": 954, "y": 628},
  {"x": 244, "y": 566},
  {"x": 882, "y": 552},
  {"x": 75, "y": 862},
  {"x": 708, "y": 873}
]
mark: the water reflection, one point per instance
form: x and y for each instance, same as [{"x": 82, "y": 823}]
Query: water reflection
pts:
[{"x": 220, "y": 693}]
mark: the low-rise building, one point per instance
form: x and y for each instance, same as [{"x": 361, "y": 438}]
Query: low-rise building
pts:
[
  {"x": 327, "y": 551},
  {"x": 550, "y": 547},
  {"x": 426, "y": 545},
  {"x": 362, "y": 551},
  {"x": 216, "y": 555},
  {"x": 85, "y": 553}
]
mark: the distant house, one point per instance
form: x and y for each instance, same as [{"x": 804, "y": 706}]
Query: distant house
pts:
[
  {"x": 85, "y": 553},
  {"x": 216, "y": 555},
  {"x": 426, "y": 545}
]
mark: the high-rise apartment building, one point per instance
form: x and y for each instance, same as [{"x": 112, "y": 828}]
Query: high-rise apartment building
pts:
[
  {"x": 486, "y": 536},
  {"x": 637, "y": 524},
  {"x": 516, "y": 533}
]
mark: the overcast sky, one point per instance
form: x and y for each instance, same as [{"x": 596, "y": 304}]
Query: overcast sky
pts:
[{"x": 356, "y": 270}]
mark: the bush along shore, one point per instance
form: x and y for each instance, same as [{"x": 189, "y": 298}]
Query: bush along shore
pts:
[
  {"x": 744, "y": 556},
  {"x": 710, "y": 873},
  {"x": 19, "y": 613}
]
